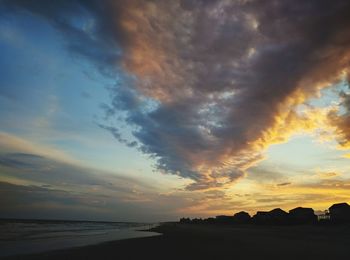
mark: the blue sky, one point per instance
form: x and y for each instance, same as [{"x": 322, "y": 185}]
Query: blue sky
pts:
[
  {"x": 51, "y": 96},
  {"x": 196, "y": 115}
]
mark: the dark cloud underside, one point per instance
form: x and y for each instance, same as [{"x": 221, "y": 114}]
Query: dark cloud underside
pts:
[{"x": 207, "y": 83}]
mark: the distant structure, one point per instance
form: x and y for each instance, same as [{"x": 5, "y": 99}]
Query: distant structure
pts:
[
  {"x": 325, "y": 217},
  {"x": 337, "y": 213},
  {"x": 224, "y": 219},
  {"x": 279, "y": 216},
  {"x": 340, "y": 213},
  {"x": 301, "y": 215},
  {"x": 261, "y": 218},
  {"x": 185, "y": 221},
  {"x": 274, "y": 217},
  {"x": 241, "y": 218}
]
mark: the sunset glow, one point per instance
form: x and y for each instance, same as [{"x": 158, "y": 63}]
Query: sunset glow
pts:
[{"x": 153, "y": 110}]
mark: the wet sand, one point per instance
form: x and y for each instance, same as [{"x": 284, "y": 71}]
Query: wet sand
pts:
[{"x": 220, "y": 242}]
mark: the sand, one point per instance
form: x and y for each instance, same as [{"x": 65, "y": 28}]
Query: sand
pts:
[{"x": 220, "y": 242}]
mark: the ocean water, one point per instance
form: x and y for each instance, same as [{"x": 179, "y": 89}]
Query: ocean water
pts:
[{"x": 36, "y": 236}]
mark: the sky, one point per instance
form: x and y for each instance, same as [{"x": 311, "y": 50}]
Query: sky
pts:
[{"x": 136, "y": 110}]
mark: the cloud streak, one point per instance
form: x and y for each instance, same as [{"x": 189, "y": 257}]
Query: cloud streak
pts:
[
  {"x": 37, "y": 186},
  {"x": 208, "y": 85}
]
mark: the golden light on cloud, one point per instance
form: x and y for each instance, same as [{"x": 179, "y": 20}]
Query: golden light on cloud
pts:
[
  {"x": 328, "y": 175},
  {"x": 347, "y": 155},
  {"x": 252, "y": 196},
  {"x": 180, "y": 57},
  {"x": 244, "y": 104},
  {"x": 11, "y": 143}
]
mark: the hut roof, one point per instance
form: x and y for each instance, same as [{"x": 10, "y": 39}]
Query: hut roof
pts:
[{"x": 340, "y": 206}]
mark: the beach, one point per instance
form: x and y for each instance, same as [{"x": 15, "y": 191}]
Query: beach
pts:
[
  {"x": 24, "y": 237},
  {"x": 179, "y": 241}
]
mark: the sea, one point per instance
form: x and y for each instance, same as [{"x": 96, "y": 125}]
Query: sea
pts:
[{"x": 37, "y": 236}]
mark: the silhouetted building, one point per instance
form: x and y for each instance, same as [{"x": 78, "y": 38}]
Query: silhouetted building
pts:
[
  {"x": 301, "y": 215},
  {"x": 197, "y": 221},
  {"x": 241, "y": 218},
  {"x": 209, "y": 220},
  {"x": 261, "y": 217},
  {"x": 273, "y": 217},
  {"x": 278, "y": 216},
  {"x": 323, "y": 217},
  {"x": 185, "y": 220},
  {"x": 340, "y": 213},
  {"x": 224, "y": 219}
]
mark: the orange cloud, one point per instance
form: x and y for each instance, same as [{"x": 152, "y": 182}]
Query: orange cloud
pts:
[
  {"x": 346, "y": 155},
  {"x": 328, "y": 175},
  {"x": 188, "y": 57}
]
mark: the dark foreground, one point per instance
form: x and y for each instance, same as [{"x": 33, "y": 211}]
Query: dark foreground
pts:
[{"x": 220, "y": 242}]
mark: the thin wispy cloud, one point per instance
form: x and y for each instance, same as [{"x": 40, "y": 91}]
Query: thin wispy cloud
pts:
[
  {"x": 208, "y": 85},
  {"x": 37, "y": 186}
]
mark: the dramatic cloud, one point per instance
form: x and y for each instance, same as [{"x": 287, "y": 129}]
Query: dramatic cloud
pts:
[
  {"x": 341, "y": 120},
  {"x": 208, "y": 85}
]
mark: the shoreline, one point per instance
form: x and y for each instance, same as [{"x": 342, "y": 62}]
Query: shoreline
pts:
[
  {"x": 46, "y": 241},
  {"x": 179, "y": 241}
]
